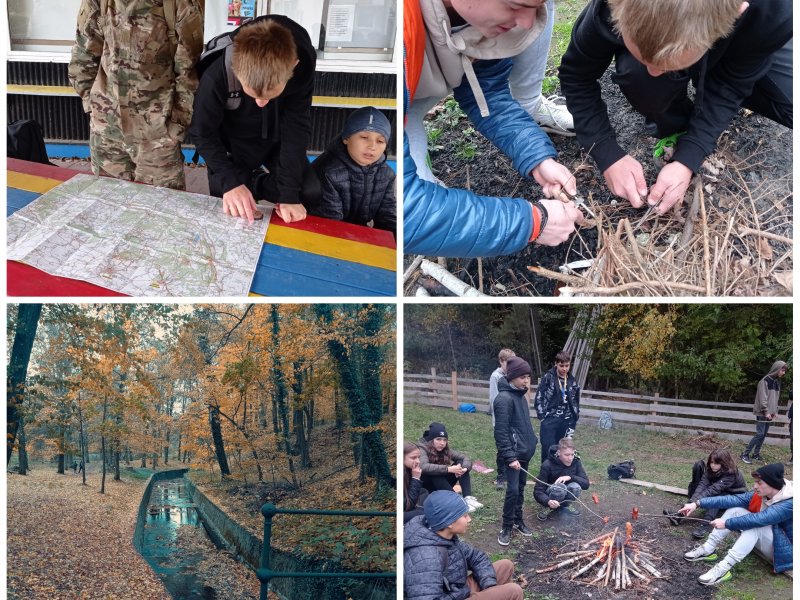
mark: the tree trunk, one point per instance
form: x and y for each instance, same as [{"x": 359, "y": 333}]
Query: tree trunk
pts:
[
  {"x": 60, "y": 469},
  {"x": 103, "y": 449},
  {"x": 23, "y": 451},
  {"x": 216, "y": 436},
  {"x": 27, "y": 322},
  {"x": 116, "y": 465},
  {"x": 83, "y": 453},
  {"x": 166, "y": 448}
]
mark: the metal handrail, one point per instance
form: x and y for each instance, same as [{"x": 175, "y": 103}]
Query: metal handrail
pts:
[{"x": 265, "y": 574}]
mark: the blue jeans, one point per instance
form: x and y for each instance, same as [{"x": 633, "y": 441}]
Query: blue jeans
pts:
[{"x": 762, "y": 427}]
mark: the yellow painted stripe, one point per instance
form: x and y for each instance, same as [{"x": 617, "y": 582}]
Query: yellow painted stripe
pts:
[
  {"x": 341, "y": 101},
  {"x": 31, "y": 183},
  {"x": 333, "y": 247},
  {"x": 41, "y": 90},
  {"x": 254, "y": 295}
]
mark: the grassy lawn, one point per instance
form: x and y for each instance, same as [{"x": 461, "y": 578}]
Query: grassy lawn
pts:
[
  {"x": 659, "y": 458},
  {"x": 566, "y": 13}
]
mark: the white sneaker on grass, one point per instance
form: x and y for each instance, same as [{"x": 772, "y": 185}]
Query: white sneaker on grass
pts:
[
  {"x": 719, "y": 573},
  {"x": 552, "y": 117},
  {"x": 473, "y": 502},
  {"x": 701, "y": 553}
]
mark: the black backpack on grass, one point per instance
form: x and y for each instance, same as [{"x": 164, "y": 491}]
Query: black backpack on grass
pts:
[{"x": 626, "y": 469}]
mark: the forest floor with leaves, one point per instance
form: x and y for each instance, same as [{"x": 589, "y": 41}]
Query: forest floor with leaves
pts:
[
  {"x": 331, "y": 483},
  {"x": 66, "y": 540}
]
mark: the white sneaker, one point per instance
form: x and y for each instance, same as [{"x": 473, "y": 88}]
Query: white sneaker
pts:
[
  {"x": 552, "y": 117},
  {"x": 700, "y": 553},
  {"x": 717, "y": 574},
  {"x": 473, "y": 501}
]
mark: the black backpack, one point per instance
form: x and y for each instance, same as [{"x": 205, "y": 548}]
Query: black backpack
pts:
[
  {"x": 26, "y": 141},
  {"x": 222, "y": 44},
  {"x": 626, "y": 469}
]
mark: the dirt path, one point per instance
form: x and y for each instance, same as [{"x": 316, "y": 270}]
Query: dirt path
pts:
[{"x": 69, "y": 541}]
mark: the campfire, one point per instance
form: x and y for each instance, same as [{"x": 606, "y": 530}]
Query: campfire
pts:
[{"x": 612, "y": 559}]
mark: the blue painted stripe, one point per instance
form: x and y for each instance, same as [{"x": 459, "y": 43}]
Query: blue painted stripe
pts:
[
  {"x": 18, "y": 199},
  {"x": 315, "y": 275},
  {"x": 82, "y": 151}
]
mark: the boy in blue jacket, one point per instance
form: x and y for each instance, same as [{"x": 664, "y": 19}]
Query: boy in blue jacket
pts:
[
  {"x": 764, "y": 516},
  {"x": 437, "y": 564},
  {"x": 357, "y": 184}
]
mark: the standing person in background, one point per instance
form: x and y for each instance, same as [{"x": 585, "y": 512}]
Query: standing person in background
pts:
[
  {"x": 133, "y": 66},
  {"x": 516, "y": 443},
  {"x": 498, "y": 374},
  {"x": 765, "y": 408},
  {"x": 557, "y": 403}
]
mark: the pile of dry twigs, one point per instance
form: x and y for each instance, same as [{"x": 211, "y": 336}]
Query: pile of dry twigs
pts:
[{"x": 735, "y": 240}]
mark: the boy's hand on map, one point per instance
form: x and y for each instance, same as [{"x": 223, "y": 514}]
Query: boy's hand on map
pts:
[
  {"x": 239, "y": 202},
  {"x": 291, "y": 212}
]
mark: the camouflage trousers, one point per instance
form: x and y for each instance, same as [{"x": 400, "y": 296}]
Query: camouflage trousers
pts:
[{"x": 155, "y": 160}]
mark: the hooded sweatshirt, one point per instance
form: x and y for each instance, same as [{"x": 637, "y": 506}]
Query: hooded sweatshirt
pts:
[
  {"x": 552, "y": 469},
  {"x": 768, "y": 392},
  {"x": 438, "y": 59},
  {"x": 723, "y": 78}
]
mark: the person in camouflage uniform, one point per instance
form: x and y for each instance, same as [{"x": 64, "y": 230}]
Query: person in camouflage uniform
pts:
[
  {"x": 136, "y": 78},
  {"x": 557, "y": 403}
]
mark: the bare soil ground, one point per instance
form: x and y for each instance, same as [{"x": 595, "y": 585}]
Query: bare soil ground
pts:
[
  {"x": 752, "y": 188},
  {"x": 563, "y": 532}
]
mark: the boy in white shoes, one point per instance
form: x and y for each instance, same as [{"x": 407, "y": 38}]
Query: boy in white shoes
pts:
[{"x": 764, "y": 517}]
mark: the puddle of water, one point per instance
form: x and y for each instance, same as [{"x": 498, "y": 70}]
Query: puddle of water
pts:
[{"x": 169, "y": 509}]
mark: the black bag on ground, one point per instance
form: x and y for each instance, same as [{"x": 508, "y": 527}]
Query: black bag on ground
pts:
[
  {"x": 26, "y": 141},
  {"x": 625, "y": 469}
]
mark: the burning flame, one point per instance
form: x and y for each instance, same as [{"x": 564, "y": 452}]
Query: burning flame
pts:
[
  {"x": 628, "y": 532},
  {"x": 604, "y": 548}
]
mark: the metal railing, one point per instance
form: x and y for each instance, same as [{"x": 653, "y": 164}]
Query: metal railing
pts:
[{"x": 265, "y": 574}]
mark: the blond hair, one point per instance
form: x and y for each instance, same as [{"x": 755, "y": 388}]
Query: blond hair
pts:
[
  {"x": 667, "y": 29},
  {"x": 505, "y": 354},
  {"x": 565, "y": 443},
  {"x": 264, "y": 55}
]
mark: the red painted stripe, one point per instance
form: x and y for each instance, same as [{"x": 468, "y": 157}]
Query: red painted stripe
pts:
[
  {"x": 24, "y": 280},
  {"x": 339, "y": 229},
  {"x": 49, "y": 171}
]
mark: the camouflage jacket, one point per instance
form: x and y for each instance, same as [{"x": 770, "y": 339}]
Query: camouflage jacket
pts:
[
  {"x": 124, "y": 64},
  {"x": 552, "y": 401}
]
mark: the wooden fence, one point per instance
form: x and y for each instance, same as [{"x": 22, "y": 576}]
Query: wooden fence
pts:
[{"x": 733, "y": 421}]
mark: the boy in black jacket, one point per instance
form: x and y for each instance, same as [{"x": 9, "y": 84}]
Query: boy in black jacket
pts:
[
  {"x": 515, "y": 441},
  {"x": 561, "y": 479},
  {"x": 357, "y": 184},
  {"x": 270, "y": 126},
  {"x": 735, "y": 54}
]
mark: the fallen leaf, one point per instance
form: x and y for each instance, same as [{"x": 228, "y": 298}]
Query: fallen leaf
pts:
[
  {"x": 785, "y": 279},
  {"x": 764, "y": 249}
]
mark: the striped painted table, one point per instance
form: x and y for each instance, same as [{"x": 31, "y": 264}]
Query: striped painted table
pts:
[{"x": 315, "y": 257}]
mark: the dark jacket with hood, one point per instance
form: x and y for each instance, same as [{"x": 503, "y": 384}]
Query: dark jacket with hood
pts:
[
  {"x": 353, "y": 193},
  {"x": 550, "y": 400},
  {"x": 552, "y": 469},
  {"x": 717, "y": 484},
  {"x": 513, "y": 430},
  {"x": 425, "y": 575},
  {"x": 769, "y": 391},
  {"x": 723, "y": 78},
  {"x": 235, "y": 142}
]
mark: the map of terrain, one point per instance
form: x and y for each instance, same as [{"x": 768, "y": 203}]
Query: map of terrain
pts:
[{"x": 137, "y": 239}]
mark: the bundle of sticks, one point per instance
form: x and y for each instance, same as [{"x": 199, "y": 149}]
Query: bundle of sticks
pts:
[{"x": 612, "y": 559}]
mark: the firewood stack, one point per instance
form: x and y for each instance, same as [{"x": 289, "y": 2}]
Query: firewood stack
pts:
[{"x": 612, "y": 559}]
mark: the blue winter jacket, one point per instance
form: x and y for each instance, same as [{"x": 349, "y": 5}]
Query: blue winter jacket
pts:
[
  {"x": 439, "y": 221},
  {"x": 428, "y": 575},
  {"x": 778, "y": 515}
]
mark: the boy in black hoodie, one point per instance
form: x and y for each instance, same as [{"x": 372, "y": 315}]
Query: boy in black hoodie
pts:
[
  {"x": 561, "y": 479},
  {"x": 357, "y": 184},
  {"x": 735, "y": 54}
]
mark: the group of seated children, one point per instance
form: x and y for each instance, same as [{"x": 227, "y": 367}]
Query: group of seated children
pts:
[
  {"x": 245, "y": 102},
  {"x": 438, "y": 499}
]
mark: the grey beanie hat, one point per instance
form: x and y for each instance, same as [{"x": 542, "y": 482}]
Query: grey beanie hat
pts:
[
  {"x": 367, "y": 118},
  {"x": 442, "y": 508}
]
